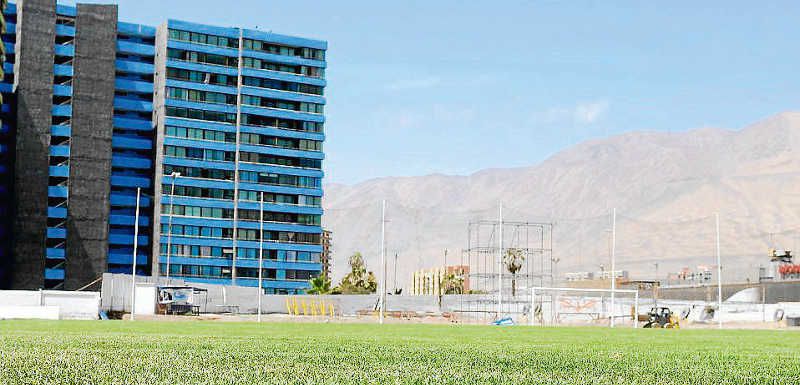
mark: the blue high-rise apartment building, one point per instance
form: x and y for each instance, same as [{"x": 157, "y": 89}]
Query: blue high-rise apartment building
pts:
[{"x": 204, "y": 121}]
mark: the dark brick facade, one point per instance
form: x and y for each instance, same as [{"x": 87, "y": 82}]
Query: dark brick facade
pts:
[
  {"x": 90, "y": 159},
  {"x": 34, "y": 92}
]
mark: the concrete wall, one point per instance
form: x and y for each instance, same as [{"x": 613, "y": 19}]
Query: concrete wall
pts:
[
  {"x": 40, "y": 304},
  {"x": 159, "y": 114},
  {"x": 775, "y": 291},
  {"x": 34, "y": 90},
  {"x": 92, "y": 127},
  {"x": 116, "y": 293}
]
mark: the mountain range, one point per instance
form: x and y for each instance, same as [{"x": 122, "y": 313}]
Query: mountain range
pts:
[{"x": 664, "y": 186}]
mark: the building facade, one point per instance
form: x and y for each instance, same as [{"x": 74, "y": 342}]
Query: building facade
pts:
[
  {"x": 6, "y": 156},
  {"x": 327, "y": 253},
  {"x": 453, "y": 279},
  {"x": 203, "y": 121}
]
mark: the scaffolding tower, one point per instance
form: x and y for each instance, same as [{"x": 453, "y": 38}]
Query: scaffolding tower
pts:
[{"x": 505, "y": 259}]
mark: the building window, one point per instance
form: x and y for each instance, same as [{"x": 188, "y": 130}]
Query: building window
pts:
[
  {"x": 200, "y": 96},
  {"x": 197, "y": 211},
  {"x": 200, "y": 134},
  {"x": 190, "y": 113},
  {"x": 200, "y": 172},
  {"x": 304, "y": 52},
  {"x": 287, "y": 124},
  {"x": 258, "y": 101},
  {"x": 201, "y": 38},
  {"x": 314, "y": 72},
  {"x": 202, "y": 57},
  {"x": 201, "y": 77},
  {"x": 282, "y": 85}
]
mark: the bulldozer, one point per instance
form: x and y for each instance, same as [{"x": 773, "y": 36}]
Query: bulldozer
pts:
[{"x": 662, "y": 317}]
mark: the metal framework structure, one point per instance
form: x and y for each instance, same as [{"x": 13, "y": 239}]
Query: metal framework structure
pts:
[{"x": 498, "y": 290}]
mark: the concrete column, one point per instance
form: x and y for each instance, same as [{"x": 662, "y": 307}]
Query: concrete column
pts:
[
  {"x": 159, "y": 115},
  {"x": 90, "y": 153},
  {"x": 33, "y": 85}
]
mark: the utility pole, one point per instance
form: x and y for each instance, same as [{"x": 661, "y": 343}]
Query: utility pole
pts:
[
  {"x": 394, "y": 290},
  {"x": 500, "y": 266},
  {"x": 135, "y": 250},
  {"x": 260, "y": 253},
  {"x": 174, "y": 176},
  {"x": 382, "y": 297},
  {"x": 719, "y": 277},
  {"x": 656, "y": 265},
  {"x": 442, "y": 276},
  {"x": 613, "y": 262}
]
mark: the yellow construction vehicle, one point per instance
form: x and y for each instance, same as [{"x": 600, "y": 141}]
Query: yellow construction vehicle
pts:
[{"x": 662, "y": 317}]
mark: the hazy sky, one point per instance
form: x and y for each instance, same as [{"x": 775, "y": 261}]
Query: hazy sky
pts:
[{"x": 419, "y": 87}]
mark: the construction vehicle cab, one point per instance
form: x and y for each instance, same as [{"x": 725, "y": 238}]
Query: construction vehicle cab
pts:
[{"x": 662, "y": 317}]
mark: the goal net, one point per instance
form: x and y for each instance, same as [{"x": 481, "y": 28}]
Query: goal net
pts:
[{"x": 580, "y": 306}]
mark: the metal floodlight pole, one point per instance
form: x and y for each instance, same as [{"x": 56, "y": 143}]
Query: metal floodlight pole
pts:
[
  {"x": 533, "y": 307},
  {"x": 174, "y": 176},
  {"x": 260, "y": 254},
  {"x": 135, "y": 251},
  {"x": 719, "y": 276},
  {"x": 500, "y": 265},
  {"x": 382, "y": 296},
  {"x": 613, "y": 262},
  {"x": 394, "y": 289}
]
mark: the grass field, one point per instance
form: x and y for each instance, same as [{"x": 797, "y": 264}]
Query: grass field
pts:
[{"x": 121, "y": 352}]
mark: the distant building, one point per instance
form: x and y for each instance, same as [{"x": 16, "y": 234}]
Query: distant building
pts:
[
  {"x": 428, "y": 281},
  {"x": 781, "y": 267},
  {"x": 606, "y": 274},
  {"x": 704, "y": 274},
  {"x": 579, "y": 276},
  {"x": 597, "y": 280},
  {"x": 327, "y": 253}
]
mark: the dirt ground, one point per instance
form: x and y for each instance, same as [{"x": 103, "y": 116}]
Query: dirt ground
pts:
[{"x": 428, "y": 320}]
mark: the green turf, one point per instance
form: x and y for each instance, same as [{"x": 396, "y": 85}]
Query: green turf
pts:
[{"x": 122, "y": 352}]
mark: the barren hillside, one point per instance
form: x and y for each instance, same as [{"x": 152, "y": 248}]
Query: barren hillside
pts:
[{"x": 665, "y": 187}]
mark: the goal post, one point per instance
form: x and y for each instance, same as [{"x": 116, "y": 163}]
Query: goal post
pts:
[{"x": 556, "y": 305}]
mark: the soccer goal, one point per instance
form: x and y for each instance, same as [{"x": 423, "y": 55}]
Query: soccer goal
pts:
[{"x": 578, "y": 306}]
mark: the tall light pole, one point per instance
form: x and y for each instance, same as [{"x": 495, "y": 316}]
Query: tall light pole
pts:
[
  {"x": 260, "y": 253},
  {"x": 174, "y": 176},
  {"x": 395, "y": 274},
  {"x": 500, "y": 266},
  {"x": 613, "y": 263},
  {"x": 135, "y": 251},
  {"x": 382, "y": 297},
  {"x": 719, "y": 277}
]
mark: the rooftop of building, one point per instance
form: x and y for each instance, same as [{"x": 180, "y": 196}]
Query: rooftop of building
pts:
[{"x": 231, "y": 32}]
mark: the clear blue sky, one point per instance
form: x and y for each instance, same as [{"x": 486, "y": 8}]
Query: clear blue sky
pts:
[{"x": 419, "y": 87}]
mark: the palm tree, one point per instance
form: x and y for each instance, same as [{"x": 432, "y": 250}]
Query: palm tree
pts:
[
  {"x": 513, "y": 259},
  {"x": 453, "y": 283},
  {"x": 320, "y": 285},
  {"x": 358, "y": 280}
]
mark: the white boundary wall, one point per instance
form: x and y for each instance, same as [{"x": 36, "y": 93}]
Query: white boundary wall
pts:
[
  {"x": 619, "y": 310},
  {"x": 49, "y": 304}
]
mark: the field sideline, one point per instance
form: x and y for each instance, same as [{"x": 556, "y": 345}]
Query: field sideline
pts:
[{"x": 121, "y": 352}]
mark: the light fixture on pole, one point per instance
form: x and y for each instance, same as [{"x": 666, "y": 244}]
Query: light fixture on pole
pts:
[
  {"x": 174, "y": 176},
  {"x": 135, "y": 251}
]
